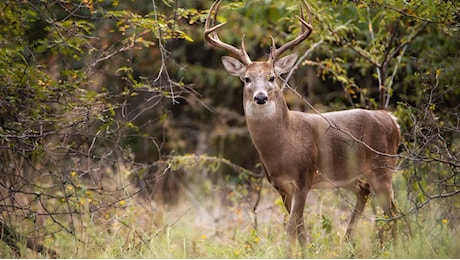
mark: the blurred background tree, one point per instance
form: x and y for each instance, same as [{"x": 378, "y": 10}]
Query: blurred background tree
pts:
[{"x": 106, "y": 102}]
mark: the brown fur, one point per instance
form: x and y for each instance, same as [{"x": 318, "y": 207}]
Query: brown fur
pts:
[{"x": 349, "y": 149}]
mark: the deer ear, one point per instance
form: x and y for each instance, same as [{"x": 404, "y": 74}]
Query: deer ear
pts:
[
  {"x": 285, "y": 64},
  {"x": 233, "y": 66}
]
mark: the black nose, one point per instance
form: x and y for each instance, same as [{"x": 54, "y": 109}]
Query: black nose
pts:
[{"x": 260, "y": 99}]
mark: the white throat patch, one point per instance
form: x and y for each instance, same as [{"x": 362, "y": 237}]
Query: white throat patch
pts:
[{"x": 254, "y": 111}]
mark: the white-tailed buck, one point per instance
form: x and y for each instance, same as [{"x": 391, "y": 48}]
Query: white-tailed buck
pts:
[{"x": 353, "y": 149}]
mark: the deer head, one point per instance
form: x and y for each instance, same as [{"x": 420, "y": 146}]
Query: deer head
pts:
[{"x": 261, "y": 91}]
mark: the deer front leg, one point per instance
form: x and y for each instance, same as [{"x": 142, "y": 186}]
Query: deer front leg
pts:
[{"x": 296, "y": 225}]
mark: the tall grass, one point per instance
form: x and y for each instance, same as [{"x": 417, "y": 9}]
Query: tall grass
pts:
[{"x": 214, "y": 224}]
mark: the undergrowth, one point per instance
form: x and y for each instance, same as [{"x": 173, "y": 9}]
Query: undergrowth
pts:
[{"x": 208, "y": 226}]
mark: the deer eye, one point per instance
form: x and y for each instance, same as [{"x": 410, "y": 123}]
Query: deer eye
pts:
[
  {"x": 271, "y": 78},
  {"x": 247, "y": 80}
]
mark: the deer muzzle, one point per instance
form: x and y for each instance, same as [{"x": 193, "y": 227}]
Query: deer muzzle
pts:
[{"x": 261, "y": 98}]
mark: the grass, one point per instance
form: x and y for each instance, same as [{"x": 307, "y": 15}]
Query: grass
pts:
[{"x": 211, "y": 226}]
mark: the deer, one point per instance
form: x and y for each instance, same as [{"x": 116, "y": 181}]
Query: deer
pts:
[{"x": 352, "y": 149}]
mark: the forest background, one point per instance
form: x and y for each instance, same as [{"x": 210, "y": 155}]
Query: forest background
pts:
[{"x": 121, "y": 135}]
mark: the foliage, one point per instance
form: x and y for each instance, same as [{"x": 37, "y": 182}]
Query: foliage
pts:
[{"x": 111, "y": 109}]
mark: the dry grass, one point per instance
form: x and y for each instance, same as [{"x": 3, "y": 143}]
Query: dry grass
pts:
[{"x": 214, "y": 224}]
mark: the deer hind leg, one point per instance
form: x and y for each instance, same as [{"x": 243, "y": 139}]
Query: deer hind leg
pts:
[
  {"x": 382, "y": 187},
  {"x": 362, "y": 191}
]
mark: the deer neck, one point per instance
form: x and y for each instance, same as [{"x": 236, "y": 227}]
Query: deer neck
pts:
[{"x": 267, "y": 123}]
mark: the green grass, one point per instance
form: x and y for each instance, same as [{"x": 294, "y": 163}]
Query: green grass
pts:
[{"x": 218, "y": 226}]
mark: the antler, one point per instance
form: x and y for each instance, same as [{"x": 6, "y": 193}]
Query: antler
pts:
[
  {"x": 306, "y": 30},
  {"x": 211, "y": 36}
]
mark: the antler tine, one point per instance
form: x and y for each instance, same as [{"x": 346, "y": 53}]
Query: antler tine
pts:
[
  {"x": 306, "y": 30},
  {"x": 211, "y": 36}
]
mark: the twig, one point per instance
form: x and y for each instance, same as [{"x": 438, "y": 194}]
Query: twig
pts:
[{"x": 170, "y": 225}]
